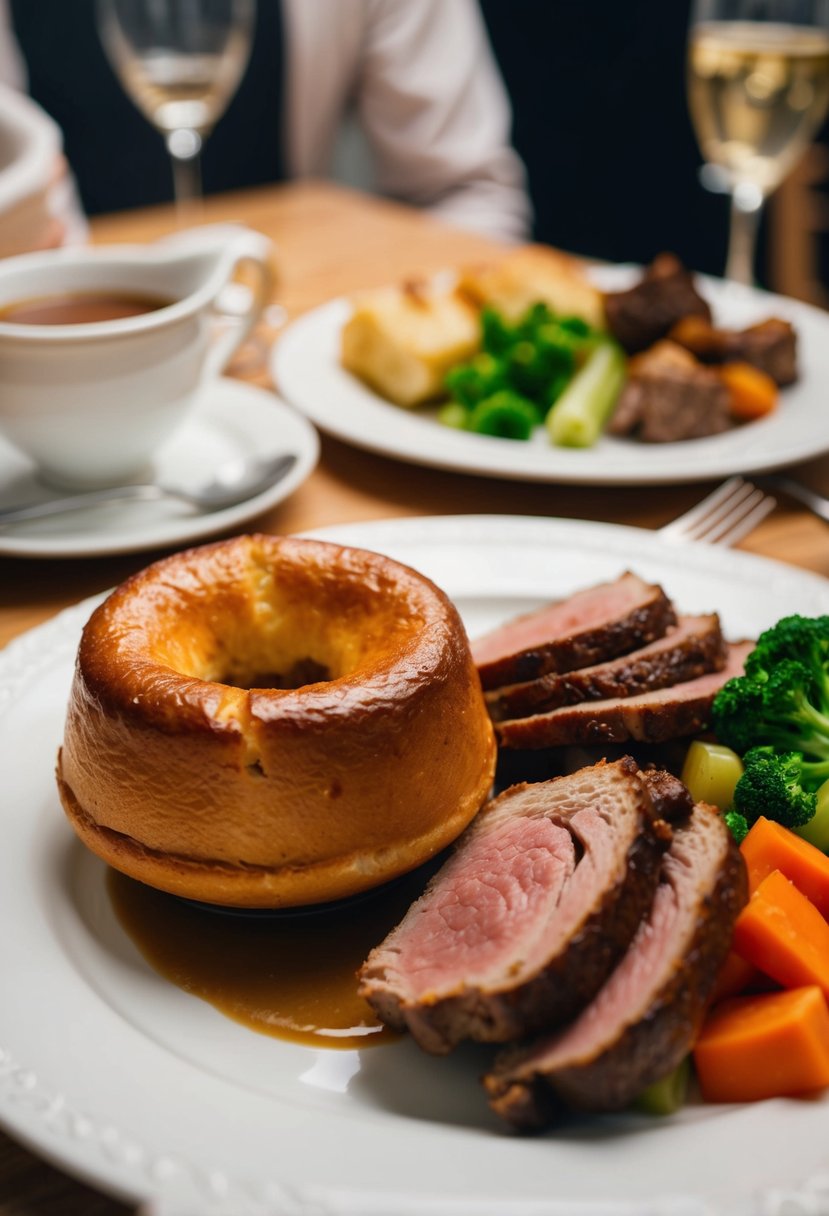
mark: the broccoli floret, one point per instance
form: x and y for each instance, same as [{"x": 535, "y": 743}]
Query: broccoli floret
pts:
[
  {"x": 737, "y": 825},
  {"x": 736, "y": 712},
  {"x": 774, "y": 784},
  {"x": 470, "y": 382},
  {"x": 506, "y": 414},
  {"x": 804, "y": 639},
  {"x": 776, "y": 716},
  {"x": 497, "y": 336}
]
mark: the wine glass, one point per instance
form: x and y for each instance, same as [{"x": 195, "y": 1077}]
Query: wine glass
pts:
[
  {"x": 180, "y": 61},
  {"x": 758, "y": 89}
]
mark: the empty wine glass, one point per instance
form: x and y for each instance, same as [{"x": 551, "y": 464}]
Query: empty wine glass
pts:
[
  {"x": 758, "y": 89},
  {"x": 180, "y": 61}
]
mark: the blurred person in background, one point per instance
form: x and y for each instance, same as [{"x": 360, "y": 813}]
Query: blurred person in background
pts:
[
  {"x": 37, "y": 207},
  {"x": 418, "y": 74},
  {"x": 601, "y": 120}
]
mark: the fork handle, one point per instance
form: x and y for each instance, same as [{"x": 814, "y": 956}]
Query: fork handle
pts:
[{"x": 816, "y": 503}]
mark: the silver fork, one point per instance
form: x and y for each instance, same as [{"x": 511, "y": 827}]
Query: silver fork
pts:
[{"x": 723, "y": 518}]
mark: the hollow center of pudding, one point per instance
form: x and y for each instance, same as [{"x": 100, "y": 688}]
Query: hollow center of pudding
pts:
[{"x": 287, "y": 628}]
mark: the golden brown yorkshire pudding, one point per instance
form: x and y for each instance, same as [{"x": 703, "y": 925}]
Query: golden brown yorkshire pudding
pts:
[{"x": 271, "y": 721}]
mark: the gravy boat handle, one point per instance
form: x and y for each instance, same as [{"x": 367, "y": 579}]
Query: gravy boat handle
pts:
[{"x": 249, "y": 249}]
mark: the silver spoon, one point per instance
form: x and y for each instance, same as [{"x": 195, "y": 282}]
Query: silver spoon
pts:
[{"x": 232, "y": 483}]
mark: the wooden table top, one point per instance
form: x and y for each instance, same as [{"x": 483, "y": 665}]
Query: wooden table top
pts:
[{"x": 330, "y": 241}]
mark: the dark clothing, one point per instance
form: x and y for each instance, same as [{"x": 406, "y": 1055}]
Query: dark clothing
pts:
[
  {"x": 119, "y": 159},
  {"x": 601, "y": 120}
]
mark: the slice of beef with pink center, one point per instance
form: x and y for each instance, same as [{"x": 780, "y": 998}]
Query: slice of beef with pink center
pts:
[
  {"x": 645, "y": 1019},
  {"x": 588, "y": 627},
  {"x": 525, "y": 921}
]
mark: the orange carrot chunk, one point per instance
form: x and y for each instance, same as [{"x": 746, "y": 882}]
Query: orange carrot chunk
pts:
[
  {"x": 769, "y": 846},
  {"x": 784, "y": 935},
  {"x": 768, "y": 1046},
  {"x": 753, "y": 393}
]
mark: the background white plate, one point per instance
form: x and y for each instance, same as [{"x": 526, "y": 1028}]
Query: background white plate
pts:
[
  {"x": 232, "y": 420},
  {"x": 127, "y": 1081},
  {"x": 306, "y": 369}
]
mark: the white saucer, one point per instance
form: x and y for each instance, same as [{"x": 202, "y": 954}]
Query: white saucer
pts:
[{"x": 232, "y": 420}]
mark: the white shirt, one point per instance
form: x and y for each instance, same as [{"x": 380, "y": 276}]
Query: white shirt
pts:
[{"x": 427, "y": 93}]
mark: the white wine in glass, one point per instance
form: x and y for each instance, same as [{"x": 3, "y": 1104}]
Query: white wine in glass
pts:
[
  {"x": 758, "y": 90},
  {"x": 181, "y": 62}
]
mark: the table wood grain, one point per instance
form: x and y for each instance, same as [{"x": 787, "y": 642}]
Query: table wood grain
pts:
[{"x": 332, "y": 241}]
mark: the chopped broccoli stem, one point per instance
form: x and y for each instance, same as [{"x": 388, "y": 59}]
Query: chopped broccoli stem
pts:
[{"x": 578, "y": 416}]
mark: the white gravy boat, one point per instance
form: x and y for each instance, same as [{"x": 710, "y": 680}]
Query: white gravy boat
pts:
[{"x": 92, "y": 403}]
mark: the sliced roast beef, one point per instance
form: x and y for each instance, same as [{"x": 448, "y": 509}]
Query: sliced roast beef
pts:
[
  {"x": 670, "y": 396},
  {"x": 670, "y": 799},
  {"x": 770, "y": 345},
  {"x": 524, "y": 923},
  {"x": 646, "y": 1017},
  {"x": 645, "y": 312},
  {"x": 694, "y": 646},
  {"x": 586, "y": 628},
  {"x": 651, "y": 717}
]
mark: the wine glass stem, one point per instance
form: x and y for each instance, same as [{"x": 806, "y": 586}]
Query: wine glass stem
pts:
[
  {"x": 185, "y": 155},
  {"x": 742, "y": 238}
]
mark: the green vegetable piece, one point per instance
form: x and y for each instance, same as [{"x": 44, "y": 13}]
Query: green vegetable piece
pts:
[
  {"x": 562, "y": 346},
  {"x": 536, "y": 316},
  {"x": 777, "y": 715},
  {"x": 455, "y": 415},
  {"x": 773, "y": 785},
  {"x": 816, "y": 831},
  {"x": 737, "y": 825},
  {"x": 665, "y": 1097},
  {"x": 470, "y": 382},
  {"x": 578, "y": 416},
  {"x": 496, "y": 335},
  {"x": 711, "y": 773},
  {"x": 576, "y": 325},
  {"x": 531, "y": 368},
  {"x": 557, "y": 387},
  {"x": 505, "y": 414}
]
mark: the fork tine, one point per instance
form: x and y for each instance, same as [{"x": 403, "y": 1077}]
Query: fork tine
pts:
[
  {"x": 691, "y": 522},
  {"x": 716, "y": 513},
  {"x": 757, "y": 507}
]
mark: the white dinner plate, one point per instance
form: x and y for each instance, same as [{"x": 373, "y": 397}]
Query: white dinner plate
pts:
[
  {"x": 306, "y": 369},
  {"x": 127, "y": 1081},
  {"x": 232, "y": 420}
]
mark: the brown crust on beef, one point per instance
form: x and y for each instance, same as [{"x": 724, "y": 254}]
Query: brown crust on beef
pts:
[
  {"x": 657, "y": 665},
  {"x": 670, "y": 798},
  {"x": 649, "y": 1049},
  {"x": 648, "y": 621},
  {"x": 669, "y": 713}
]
